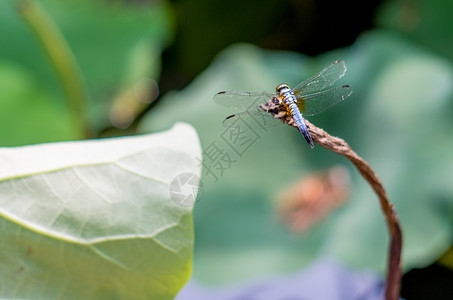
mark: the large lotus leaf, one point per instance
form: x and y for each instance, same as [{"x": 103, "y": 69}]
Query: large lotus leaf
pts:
[
  {"x": 102, "y": 42},
  {"x": 404, "y": 116},
  {"x": 29, "y": 114},
  {"x": 398, "y": 88},
  {"x": 94, "y": 219},
  {"x": 104, "y": 37},
  {"x": 107, "y": 39},
  {"x": 237, "y": 231}
]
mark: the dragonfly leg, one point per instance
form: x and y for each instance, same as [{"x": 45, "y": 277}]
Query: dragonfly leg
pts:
[{"x": 280, "y": 110}]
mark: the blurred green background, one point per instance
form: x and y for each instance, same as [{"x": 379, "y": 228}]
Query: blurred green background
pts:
[{"x": 77, "y": 69}]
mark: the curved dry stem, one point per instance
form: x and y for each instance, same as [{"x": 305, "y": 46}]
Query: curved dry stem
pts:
[{"x": 339, "y": 146}]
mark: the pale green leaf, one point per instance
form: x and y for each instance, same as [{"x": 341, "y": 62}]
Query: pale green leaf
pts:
[{"x": 94, "y": 219}]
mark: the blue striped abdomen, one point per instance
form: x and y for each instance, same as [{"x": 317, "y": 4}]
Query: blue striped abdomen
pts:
[
  {"x": 290, "y": 100},
  {"x": 297, "y": 117}
]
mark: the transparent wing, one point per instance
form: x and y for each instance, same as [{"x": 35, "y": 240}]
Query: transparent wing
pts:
[
  {"x": 322, "y": 80},
  {"x": 256, "y": 118},
  {"x": 242, "y": 100},
  {"x": 316, "y": 103}
]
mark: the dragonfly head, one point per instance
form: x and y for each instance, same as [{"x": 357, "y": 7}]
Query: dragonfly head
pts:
[{"x": 282, "y": 88}]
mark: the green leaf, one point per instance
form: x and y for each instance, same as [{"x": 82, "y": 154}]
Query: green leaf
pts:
[
  {"x": 399, "y": 113},
  {"x": 109, "y": 36},
  {"x": 108, "y": 45},
  {"x": 28, "y": 113},
  {"x": 244, "y": 230},
  {"x": 94, "y": 219}
]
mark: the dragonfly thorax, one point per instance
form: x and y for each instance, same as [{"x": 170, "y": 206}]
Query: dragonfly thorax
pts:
[
  {"x": 281, "y": 88},
  {"x": 286, "y": 94}
]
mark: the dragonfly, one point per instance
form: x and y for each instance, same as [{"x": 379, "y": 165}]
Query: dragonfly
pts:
[{"x": 308, "y": 98}]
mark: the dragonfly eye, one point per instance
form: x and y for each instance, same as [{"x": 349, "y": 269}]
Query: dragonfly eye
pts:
[{"x": 281, "y": 87}]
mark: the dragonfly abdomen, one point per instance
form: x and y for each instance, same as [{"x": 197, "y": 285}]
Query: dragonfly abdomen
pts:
[
  {"x": 297, "y": 117},
  {"x": 290, "y": 100}
]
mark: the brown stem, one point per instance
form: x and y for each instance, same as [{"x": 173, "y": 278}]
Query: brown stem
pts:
[{"x": 339, "y": 146}]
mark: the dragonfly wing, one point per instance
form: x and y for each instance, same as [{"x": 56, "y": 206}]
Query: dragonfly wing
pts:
[
  {"x": 322, "y": 80},
  {"x": 316, "y": 103},
  {"x": 242, "y": 100},
  {"x": 257, "y": 118}
]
